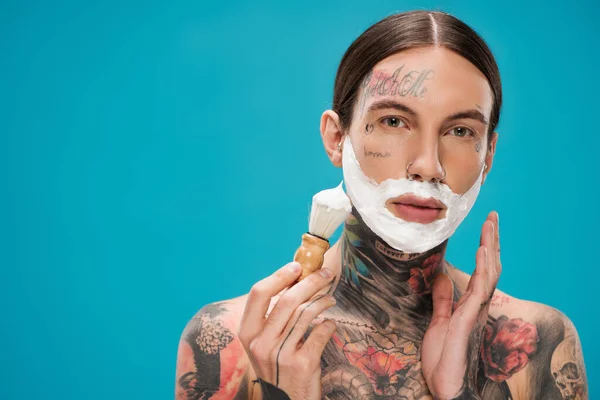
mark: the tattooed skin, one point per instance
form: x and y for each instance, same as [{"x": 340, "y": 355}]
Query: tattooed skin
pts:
[
  {"x": 402, "y": 82},
  {"x": 386, "y": 300},
  {"x": 207, "y": 337},
  {"x": 383, "y": 309},
  {"x": 566, "y": 369},
  {"x": 385, "y": 305},
  {"x": 376, "y": 154}
]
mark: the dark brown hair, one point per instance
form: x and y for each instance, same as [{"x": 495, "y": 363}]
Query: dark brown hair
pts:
[{"x": 405, "y": 31}]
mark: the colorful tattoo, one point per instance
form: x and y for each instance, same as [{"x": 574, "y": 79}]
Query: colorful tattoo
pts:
[
  {"x": 207, "y": 337},
  {"x": 508, "y": 346},
  {"x": 385, "y": 295},
  {"x": 384, "y": 307}
]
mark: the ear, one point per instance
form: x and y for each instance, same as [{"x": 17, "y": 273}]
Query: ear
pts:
[
  {"x": 333, "y": 136},
  {"x": 489, "y": 157}
]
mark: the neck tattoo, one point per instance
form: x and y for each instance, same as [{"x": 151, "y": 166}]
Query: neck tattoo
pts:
[{"x": 386, "y": 287}]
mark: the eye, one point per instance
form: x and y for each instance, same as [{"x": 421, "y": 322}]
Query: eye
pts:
[
  {"x": 393, "y": 122},
  {"x": 461, "y": 131}
]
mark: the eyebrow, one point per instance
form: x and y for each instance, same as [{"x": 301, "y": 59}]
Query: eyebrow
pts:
[
  {"x": 468, "y": 114},
  {"x": 387, "y": 104}
]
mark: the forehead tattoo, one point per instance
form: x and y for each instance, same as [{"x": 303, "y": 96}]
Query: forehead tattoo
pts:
[{"x": 402, "y": 82}]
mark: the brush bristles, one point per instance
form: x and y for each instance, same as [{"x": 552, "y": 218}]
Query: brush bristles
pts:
[{"x": 329, "y": 209}]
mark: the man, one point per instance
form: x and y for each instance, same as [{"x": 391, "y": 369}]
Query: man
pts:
[{"x": 387, "y": 316}]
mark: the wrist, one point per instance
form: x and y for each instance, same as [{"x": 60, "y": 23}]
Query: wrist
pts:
[{"x": 271, "y": 392}]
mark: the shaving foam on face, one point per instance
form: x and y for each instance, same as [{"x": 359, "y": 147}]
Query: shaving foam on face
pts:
[{"x": 369, "y": 199}]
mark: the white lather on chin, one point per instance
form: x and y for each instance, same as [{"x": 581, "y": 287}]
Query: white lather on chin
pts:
[{"x": 369, "y": 199}]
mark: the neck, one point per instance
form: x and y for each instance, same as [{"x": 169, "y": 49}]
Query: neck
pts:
[{"x": 385, "y": 285}]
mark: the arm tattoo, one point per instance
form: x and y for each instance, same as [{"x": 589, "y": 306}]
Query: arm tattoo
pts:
[
  {"x": 508, "y": 344},
  {"x": 549, "y": 349},
  {"x": 567, "y": 368},
  {"x": 207, "y": 336}
]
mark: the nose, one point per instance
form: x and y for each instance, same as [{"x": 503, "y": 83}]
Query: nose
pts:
[{"x": 424, "y": 165}]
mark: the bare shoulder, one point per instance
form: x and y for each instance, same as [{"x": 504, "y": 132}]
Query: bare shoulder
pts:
[
  {"x": 529, "y": 349},
  {"x": 211, "y": 361},
  {"x": 555, "y": 367}
]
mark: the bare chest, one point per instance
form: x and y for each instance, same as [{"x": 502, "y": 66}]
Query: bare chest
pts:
[{"x": 361, "y": 362}]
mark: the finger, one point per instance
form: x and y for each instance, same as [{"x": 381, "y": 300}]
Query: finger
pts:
[
  {"x": 484, "y": 240},
  {"x": 484, "y": 229},
  {"x": 475, "y": 277},
  {"x": 291, "y": 300},
  {"x": 259, "y": 299},
  {"x": 314, "y": 345},
  {"x": 480, "y": 284},
  {"x": 491, "y": 242},
  {"x": 483, "y": 291},
  {"x": 296, "y": 328},
  {"x": 498, "y": 253}
]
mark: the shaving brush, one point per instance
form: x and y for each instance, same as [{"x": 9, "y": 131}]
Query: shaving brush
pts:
[{"x": 329, "y": 209}]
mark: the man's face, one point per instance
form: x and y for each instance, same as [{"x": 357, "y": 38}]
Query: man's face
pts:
[{"x": 428, "y": 108}]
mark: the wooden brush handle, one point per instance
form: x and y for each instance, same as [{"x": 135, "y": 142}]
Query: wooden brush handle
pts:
[{"x": 310, "y": 254}]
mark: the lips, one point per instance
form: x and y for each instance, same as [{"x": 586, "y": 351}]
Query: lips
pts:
[{"x": 412, "y": 208}]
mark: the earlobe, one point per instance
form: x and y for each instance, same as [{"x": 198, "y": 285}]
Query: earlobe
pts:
[{"x": 332, "y": 135}]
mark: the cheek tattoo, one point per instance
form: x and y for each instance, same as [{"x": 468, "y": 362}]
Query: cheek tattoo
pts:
[
  {"x": 369, "y": 128},
  {"x": 478, "y": 147},
  {"x": 377, "y": 154}
]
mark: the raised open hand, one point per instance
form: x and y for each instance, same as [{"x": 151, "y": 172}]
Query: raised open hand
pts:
[{"x": 451, "y": 344}]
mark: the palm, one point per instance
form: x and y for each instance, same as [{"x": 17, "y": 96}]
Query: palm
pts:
[{"x": 451, "y": 343}]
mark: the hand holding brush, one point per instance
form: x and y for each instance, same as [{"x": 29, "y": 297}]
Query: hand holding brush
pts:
[{"x": 285, "y": 359}]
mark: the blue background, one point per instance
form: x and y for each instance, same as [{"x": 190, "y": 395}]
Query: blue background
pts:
[{"x": 158, "y": 156}]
